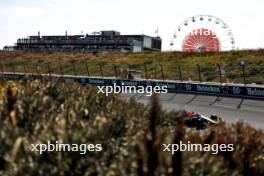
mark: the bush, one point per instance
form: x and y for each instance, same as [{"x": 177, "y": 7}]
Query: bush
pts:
[{"x": 35, "y": 111}]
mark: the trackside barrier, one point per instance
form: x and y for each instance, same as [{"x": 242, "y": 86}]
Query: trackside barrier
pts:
[{"x": 249, "y": 91}]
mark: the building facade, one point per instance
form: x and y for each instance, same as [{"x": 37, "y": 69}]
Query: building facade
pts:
[{"x": 101, "y": 41}]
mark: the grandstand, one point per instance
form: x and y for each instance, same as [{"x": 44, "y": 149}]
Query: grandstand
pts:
[{"x": 97, "y": 41}]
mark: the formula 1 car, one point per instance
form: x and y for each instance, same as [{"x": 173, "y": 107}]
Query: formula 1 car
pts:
[{"x": 199, "y": 121}]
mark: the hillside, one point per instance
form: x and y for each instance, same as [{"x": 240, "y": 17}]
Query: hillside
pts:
[{"x": 170, "y": 61}]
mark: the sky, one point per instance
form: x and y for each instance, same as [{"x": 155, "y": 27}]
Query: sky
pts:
[{"x": 22, "y": 18}]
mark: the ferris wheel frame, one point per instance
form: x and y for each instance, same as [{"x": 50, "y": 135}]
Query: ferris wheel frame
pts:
[{"x": 212, "y": 20}]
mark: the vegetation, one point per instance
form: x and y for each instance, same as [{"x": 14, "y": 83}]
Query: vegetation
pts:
[
  {"x": 71, "y": 63},
  {"x": 35, "y": 111}
]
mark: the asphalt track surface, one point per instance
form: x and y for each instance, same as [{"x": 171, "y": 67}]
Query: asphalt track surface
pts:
[{"x": 230, "y": 109}]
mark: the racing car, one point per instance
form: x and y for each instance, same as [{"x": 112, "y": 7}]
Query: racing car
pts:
[{"x": 199, "y": 121}]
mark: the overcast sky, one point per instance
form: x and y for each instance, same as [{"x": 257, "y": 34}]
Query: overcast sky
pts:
[{"x": 21, "y": 18}]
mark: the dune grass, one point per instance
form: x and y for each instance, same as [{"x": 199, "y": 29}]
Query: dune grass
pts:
[
  {"x": 37, "y": 111},
  {"x": 72, "y": 63}
]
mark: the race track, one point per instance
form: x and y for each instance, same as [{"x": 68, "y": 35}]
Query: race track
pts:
[{"x": 230, "y": 109}]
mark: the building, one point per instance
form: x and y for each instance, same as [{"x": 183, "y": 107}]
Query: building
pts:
[{"x": 98, "y": 41}]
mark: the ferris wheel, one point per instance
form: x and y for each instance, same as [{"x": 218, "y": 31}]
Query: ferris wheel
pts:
[{"x": 202, "y": 33}]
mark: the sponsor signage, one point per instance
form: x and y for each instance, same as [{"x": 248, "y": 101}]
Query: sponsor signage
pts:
[{"x": 218, "y": 90}]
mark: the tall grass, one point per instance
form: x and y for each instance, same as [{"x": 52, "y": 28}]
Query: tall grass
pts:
[{"x": 35, "y": 111}]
